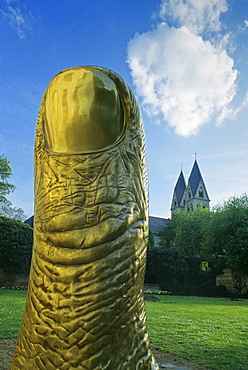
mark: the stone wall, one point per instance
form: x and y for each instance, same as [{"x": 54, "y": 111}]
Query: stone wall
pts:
[{"x": 228, "y": 278}]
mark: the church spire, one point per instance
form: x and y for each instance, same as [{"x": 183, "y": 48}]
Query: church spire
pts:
[
  {"x": 192, "y": 196},
  {"x": 179, "y": 190},
  {"x": 197, "y": 196},
  {"x": 194, "y": 178}
]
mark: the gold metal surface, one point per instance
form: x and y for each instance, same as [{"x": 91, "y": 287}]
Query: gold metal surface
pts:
[
  {"x": 85, "y": 307},
  {"x": 83, "y": 112}
]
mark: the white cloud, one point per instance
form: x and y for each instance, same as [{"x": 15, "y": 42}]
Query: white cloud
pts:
[
  {"x": 245, "y": 101},
  {"x": 179, "y": 75},
  {"x": 15, "y": 17},
  {"x": 196, "y": 15}
]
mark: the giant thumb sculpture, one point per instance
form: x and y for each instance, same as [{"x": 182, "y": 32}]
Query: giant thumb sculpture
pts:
[{"x": 85, "y": 307}]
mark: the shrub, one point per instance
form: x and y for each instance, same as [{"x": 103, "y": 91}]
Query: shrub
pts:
[
  {"x": 16, "y": 240},
  {"x": 178, "y": 274}
]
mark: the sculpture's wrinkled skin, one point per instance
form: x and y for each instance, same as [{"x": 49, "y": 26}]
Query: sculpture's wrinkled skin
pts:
[{"x": 85, "y": 307}]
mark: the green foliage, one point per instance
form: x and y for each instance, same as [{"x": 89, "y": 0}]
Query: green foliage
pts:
[
  {"x": 226, "y": 238},
  {"x": 219, "y": 236},
  {"x": 177, "y": 273},
  {"x": 16, "y": 239},
  {"x": 5, "y": 173},
  {"x": 185, "y": 232},
  {"x": 6, "y": 208},
  {"x": 12, "y": 212},
  {"x": 150, "y": 240},
  {"x": 161, "y": 268},
  {"x": 209, "y": 331}
]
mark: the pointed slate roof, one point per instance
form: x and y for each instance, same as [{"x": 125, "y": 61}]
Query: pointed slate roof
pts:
[
  {"x": 180, "y": 187},
  {"x": 194, "y": 178},
  {"x": 157, "y": 223},
  {"x": 30, "y": 221}
]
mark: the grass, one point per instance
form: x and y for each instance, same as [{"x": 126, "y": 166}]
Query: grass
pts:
[
  {"x": 12, "y": 304},
  {"x": 212, "y": 332}
]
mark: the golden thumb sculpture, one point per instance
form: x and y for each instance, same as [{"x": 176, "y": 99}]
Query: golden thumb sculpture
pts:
[{"x": 85, "y": 307}]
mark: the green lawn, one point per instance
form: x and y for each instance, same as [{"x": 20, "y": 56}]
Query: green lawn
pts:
[
  {"x": 212, "y": 332},
  {"x": 11, "y": 310}
]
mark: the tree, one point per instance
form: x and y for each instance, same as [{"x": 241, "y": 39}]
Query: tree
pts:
[
  {"x": 162, "y": 268},
  {"x": 226, "y": 236},
  {"x": 5, "y": 173},
  {"x": 16, "y": 239},
  {"x": 186, "y": 232},
  {"x": 12, "y": 212},
  {"x": 6, "y": 208},
  {"x": 150, "y": 240},
  {"x": 218, "y": 237},
  {"x": 177, "y": 273}
]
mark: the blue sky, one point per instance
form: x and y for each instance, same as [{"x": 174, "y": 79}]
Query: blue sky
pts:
[{"x": 186, "y": 61}]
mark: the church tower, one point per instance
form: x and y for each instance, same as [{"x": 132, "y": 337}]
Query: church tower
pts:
[
  {"x": 190, "y": 197},
  {"x": 178, "y": 198}
]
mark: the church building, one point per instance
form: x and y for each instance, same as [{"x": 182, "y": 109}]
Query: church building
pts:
[{"x": 190, "y": 196}]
